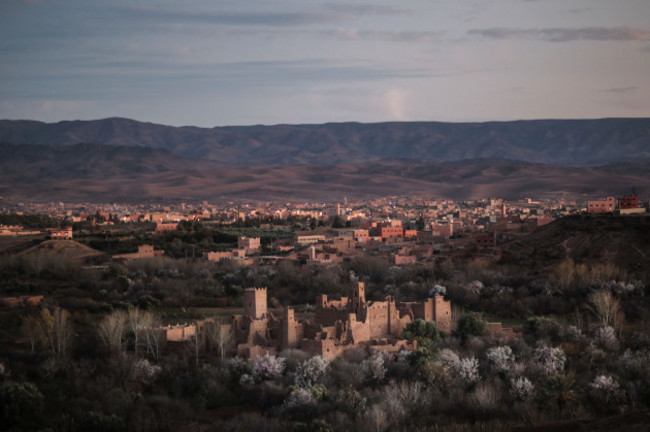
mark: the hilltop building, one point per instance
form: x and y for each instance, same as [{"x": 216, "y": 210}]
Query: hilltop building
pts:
[
  {"x": 61, "y": 233},
  {"x": 628, "y": 202},
  {"x": 601, "y": 206}
]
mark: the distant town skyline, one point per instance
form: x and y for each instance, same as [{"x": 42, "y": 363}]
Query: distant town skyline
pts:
[{"x": 216, "y": 63}]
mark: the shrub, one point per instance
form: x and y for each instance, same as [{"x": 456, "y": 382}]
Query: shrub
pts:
[
  {"x": 549, "y": 361},
  {"x": 467, "y": 371},
  {"x": 470, "y": 324},
  {"x": 605, "y": 389},
  {"x": 500, "y": 358},
  {"x": 522, "y": 389},
  {"x": 267, "y": 367},
  {"x": 373, "y": 367},
  {"x": 310, "y": 371},
  {"x": 605, "y": 338}
]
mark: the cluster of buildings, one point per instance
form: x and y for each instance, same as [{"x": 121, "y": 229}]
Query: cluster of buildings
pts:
[
  {"x": 405, "y": 230},
  {"x": 54, "y": 233},
  {"x": 406, "y": 209},
  {"x": 628, "y": 204},
  {"x": 245, "y": 247},
  {"x": 335, "y": 326}
]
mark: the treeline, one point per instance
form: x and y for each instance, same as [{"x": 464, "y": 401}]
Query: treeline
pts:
[
  {"x": 29, "y": 220},
  {"x": 191, "y": 239}
]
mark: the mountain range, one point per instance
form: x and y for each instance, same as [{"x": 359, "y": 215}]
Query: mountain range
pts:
[{"x": 125, "y": 160}]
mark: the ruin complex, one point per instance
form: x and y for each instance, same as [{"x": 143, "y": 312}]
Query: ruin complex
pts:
[{"x": 337, "y": 325}]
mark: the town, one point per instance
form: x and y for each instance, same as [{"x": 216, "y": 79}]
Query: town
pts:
[
  {"x": 323, "y": 316},
  {"x": 405, "y": 230}
]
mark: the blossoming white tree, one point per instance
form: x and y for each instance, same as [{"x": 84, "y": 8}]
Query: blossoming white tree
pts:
[{"x": 267, "y": 367}]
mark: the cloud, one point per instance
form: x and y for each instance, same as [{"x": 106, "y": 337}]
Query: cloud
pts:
[
  {"x": 382, "y": 35},
  {"x": 262, "y": 18},
  {"x": 361, "y": 10},
  {"x": 566, "y": 34},
  {"x": 621, "y": 90}
]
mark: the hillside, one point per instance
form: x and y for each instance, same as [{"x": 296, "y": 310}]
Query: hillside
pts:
[
  {"x": 563, "y": 142},
  {"x": 623, "y": 241},
  {"x": 62, "y": 248},
  {"x": 100, "y": 173}
]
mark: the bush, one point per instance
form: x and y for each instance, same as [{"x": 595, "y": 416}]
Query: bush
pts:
[
  {"x": 267, "y": 367},
  {"x": 311, "y": 371},
  {"x": 549, "y": 361},
  {"x": 470, "y": 324}
]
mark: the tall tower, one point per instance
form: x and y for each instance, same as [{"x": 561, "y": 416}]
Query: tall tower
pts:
[
  {"x": 289, "y": 339},
  {"x": 358, "y": 297},
  {"x": 255, "y": 302}
]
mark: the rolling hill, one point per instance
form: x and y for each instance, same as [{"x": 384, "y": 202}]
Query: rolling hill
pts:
[
  {"x": 101, "y": 173},
  {"x": 604, "y": 239}
]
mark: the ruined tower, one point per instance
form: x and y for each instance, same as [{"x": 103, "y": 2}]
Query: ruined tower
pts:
[
  {"x": 442, "y": 313},
  {"x": 255, "y": 302},
  {"x": 289, "y": 337},
  {"x": 358, "y": 297}
]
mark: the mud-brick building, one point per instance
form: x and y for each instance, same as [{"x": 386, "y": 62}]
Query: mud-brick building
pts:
[{"x": 338, "y": 325}]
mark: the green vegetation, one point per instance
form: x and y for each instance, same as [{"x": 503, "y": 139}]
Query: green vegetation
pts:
[
  {"x": 88, "y": 358},
  {"x": 29, "y": 221}
]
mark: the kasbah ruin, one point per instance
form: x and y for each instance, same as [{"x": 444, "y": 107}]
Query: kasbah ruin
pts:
[{"x": 338, "y": 325}]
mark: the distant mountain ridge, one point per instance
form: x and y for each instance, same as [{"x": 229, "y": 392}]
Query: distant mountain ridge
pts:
[
  {"x": 103, "y": 173},
  {"x": 559, "y": 142}
]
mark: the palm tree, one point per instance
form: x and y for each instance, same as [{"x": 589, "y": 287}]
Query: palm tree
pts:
[{"x": 561, "y": 389}]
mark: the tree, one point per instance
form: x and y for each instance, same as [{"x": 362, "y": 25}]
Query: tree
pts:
[
  {"x": 197, "y": 343},
  {"x": 31, "y": 328},
  {"x": 311, "y": 371},
  {"x": 606, "y": 308},
  {"x": 522, "y": 389},
  {"x": 467, "y": 371},
  {"x": 420, "y": 224},
  {"x": 20, "y": 402},
  {"x": 152, "y": 338},
  {"x": 112, "y": 328},
  {"x": 267, "y": 367},
  {"x": 219, "y": 336},
  {"x": 373, "y": 367},
  {"x": 561, "y": 390},
  {"x": 56, "y": 331},
  {"x": 138, "y": 320},
  {"x": 338, "y": 222},
  {"x": 470, "y": 324},
  {"x": 549, "y": 360},
  {"x": 500, "y": 358},
  {"x": 425, "y": 332},
  {"x": 421, "y": 329}
]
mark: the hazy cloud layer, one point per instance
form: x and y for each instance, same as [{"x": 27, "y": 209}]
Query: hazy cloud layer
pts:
[
  {"x": 264, "y": 18},
  {"x": 621, "y": 90},
  {"x": 567, "y": 34},
  {"x": 386, "y": 36},
  {"x": 218, "y": 62}
]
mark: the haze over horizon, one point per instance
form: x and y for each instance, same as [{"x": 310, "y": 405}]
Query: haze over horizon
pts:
[{"x": 269, "y": 62}]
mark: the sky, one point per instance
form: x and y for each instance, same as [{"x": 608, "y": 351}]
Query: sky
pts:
[{"x": 217, "y": 63}]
